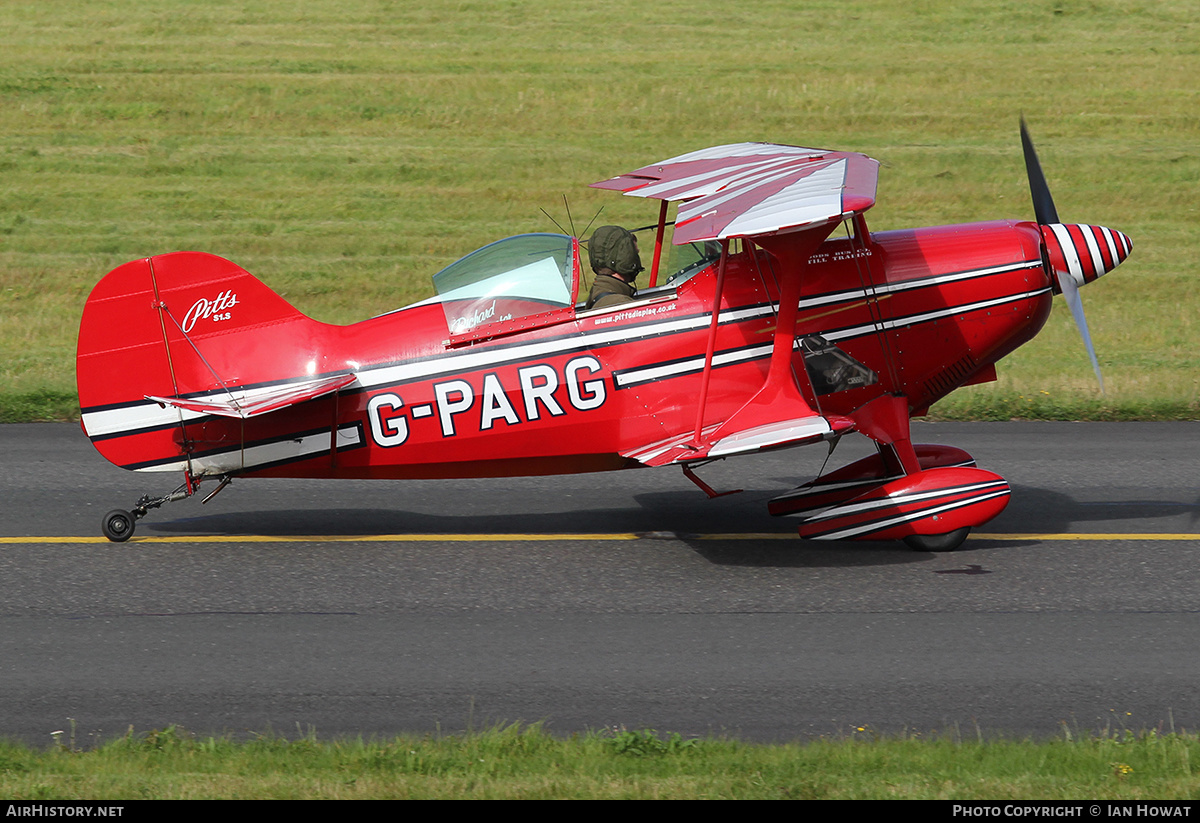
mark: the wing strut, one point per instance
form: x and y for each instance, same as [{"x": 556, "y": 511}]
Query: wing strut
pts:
[
  {"x": 778, "y": 412},
  {"x": 710, "y": 349},
  {"x": 658, "y": 242}
]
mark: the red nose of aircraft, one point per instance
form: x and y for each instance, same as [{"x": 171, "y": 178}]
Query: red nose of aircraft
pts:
[{"x": 1084, "y": 252}]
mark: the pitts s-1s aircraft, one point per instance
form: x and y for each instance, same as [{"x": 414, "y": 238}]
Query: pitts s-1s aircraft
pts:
[{"x": 786, "y": 322}]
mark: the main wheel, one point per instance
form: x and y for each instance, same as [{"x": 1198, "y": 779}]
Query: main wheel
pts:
[
  {"x": 118, "y": 525},
  {"x": 947, "y": 542}
]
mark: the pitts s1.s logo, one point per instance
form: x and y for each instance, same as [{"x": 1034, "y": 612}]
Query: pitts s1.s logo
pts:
[
  {"x": 216, "y": 310},
  {"x": 537, "y": 385}
]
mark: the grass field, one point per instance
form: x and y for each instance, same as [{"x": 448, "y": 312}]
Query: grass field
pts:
[
  {"x": 344, "y": 151},
  {"x": 523, "y": 762}
]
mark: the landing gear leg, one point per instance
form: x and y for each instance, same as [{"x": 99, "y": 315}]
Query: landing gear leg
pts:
[{"x": 118, "y": 525}]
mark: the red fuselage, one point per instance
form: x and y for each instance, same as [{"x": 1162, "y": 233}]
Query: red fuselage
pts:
[{"x": 927, "y": 310}]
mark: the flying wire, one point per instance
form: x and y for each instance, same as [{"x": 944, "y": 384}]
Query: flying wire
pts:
[{"x": 873, "y": 307}]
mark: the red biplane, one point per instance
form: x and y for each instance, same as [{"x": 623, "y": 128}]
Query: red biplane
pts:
[{"x": 782, "y": 321}]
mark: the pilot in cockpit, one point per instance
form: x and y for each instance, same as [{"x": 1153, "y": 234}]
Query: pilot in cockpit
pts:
[{"x": 613, "y": 254}]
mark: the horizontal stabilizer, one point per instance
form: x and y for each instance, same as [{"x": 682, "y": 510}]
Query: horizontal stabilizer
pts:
[{"x": 246, "y": 403}]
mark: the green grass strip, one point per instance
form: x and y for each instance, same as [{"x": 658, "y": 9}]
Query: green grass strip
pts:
[
  {"x": 525, "y": 762},
  {"x": 343, "y": 152}
]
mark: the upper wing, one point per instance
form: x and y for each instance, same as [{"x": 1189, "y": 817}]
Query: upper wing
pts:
[{"x": 748, "y": 189}]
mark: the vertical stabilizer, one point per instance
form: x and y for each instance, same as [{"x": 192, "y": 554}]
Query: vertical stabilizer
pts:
[{"x": 179, "y": 325}]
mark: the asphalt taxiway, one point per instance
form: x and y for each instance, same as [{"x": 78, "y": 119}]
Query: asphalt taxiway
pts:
[{"x": 607, "y": 600}]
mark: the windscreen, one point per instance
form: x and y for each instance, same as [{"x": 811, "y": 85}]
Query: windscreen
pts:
[{"x": 511, "y": 278}]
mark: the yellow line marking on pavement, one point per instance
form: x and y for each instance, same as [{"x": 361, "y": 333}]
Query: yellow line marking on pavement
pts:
[
  {"x": 332, "y": 538},
  {"x": 542, "y": 538},
  {"x": 1084, "y": 536}
]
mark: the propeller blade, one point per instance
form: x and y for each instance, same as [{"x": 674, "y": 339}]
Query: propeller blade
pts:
[
  {"x": 1070, "y": 290},
  {"x": 1043, "y": 209},
  {"x": 1043, "y": 203}
]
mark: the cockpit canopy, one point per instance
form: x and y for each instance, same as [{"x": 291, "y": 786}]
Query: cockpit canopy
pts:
[
  {"x": 531, "y": 280},
  {"x": 519, "y": 277}
]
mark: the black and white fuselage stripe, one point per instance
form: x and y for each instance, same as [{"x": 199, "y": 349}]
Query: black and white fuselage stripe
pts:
[
  {"x": 286, "y": 448},
  {"x": 658, "y": 371},
  {"x": 147, "y": 415}
]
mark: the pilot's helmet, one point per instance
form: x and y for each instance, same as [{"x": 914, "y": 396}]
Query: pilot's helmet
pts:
[{"x": 613, "y": 247}]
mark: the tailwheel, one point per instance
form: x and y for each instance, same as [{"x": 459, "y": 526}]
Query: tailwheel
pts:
[
  {"x": 118, "y": 525},
  {"x": 947, "y": 542}
]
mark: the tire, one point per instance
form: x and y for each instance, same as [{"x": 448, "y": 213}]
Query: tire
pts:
[
  {"x": 118, "y": 525},
  {"x": 947, "y": 542}
]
